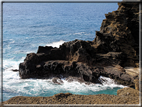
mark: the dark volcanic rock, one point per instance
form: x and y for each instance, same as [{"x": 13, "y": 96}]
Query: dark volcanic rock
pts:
[
  {"x": 15, "y": 70},
  {"x": 110, "y": 58},
  {"x": 79, "y": 51},
  {"x": 119, "y": 32},
  {"x": 119, "y": 74},
  {"x": 57, "y": 80},
  {"x": 116, "y": 46},
  {"x": 71, "y": 79},
  {"x": 60, "y": 67}
]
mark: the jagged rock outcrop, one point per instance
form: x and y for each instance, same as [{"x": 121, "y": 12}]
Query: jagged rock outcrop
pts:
[
  {"x": 119, "y": 32},
  {"x": 116, "y": 46}
]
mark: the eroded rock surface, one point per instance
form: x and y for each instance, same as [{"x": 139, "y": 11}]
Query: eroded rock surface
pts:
[{"x": 119, "y": 32}]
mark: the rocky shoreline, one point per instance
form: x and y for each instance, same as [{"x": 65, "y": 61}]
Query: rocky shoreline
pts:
[
  {"x": 115, "y": 48},
  {"x": 124, "y": 96}
]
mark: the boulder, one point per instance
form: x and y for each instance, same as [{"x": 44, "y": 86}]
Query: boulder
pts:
[{"x": 57, "y": 80}]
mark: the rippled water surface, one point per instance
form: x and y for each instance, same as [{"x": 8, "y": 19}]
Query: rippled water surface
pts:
[{"x": 29, "y": 25}]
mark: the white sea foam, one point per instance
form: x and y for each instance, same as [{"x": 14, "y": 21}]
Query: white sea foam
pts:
[
  {"x": 110, "y": 82},
  {"x": 7, "y": 63},
  {"x": 45, "y": 87},
  {"x": 56, "y": 44},
  {"x": 8, "y": 75},
  {"x": 11, "y": 41},
  {"x": 79, "y": 33},
  {"x": 39, "y": 87}
]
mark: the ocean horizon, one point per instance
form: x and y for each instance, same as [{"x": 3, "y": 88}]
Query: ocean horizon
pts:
[{"x": 26, "y": 26}]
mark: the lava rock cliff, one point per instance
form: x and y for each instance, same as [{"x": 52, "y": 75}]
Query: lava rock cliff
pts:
[{"x": 116, "y": 46}]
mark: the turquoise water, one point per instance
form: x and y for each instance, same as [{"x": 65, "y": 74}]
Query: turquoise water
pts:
[{"x": 29, "y": 25}]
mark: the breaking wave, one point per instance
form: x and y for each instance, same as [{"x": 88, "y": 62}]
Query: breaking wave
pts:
[{"x": 56, "y": 44}]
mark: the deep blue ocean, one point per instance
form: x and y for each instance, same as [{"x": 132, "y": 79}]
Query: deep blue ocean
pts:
[{"x": 29, "y": 25}]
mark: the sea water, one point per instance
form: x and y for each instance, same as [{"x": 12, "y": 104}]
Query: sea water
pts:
[{"x": 29, "y": 25}]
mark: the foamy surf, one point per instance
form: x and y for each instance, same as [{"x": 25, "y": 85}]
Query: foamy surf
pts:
[
  {"x": 45, "y": 87},
  {"x": 56, "y": 44},
  {"x": 13, "y": 85},
  {"x": 21, "y": 38},
  {"x": 107, "y": 82},
  {"x": 8, "y": 66}
]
